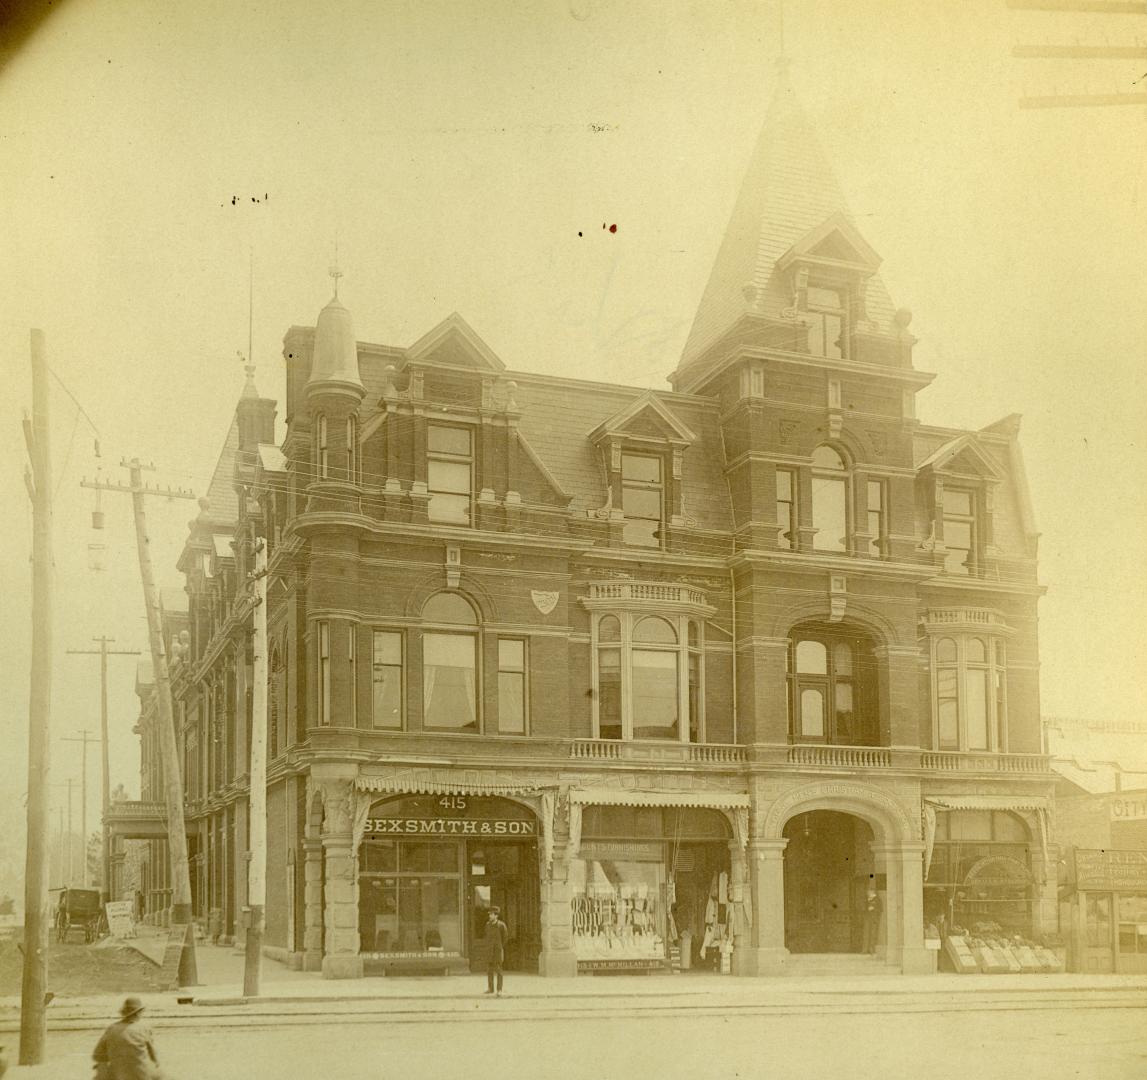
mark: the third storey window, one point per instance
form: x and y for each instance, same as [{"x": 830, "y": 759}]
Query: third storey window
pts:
[
  {"x": 642, "y": 499},
  {"x": 826, "y": 315},
  {"x": 960, "y": 531},
  {"x": 829, "y": 500},
  {"x": 449, "y": 473}
]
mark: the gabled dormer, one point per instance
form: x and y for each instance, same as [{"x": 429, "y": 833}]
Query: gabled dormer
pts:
[
  {"x": 451, "y": 364},
  {"x": 958, "y": 481},
  {"x": 642, "y": 449},
  {"x": 827, "y": 272}
]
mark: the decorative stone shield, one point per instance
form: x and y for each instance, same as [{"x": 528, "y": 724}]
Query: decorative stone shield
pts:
[{"x": 545, "y": 602}]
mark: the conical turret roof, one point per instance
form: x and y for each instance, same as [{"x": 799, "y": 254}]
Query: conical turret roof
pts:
[
  {"x": 788, "y": 190},
  {"x": 334, "y": 361}
]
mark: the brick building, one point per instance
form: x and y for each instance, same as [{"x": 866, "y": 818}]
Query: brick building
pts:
[{"x": 659, "y": 673}]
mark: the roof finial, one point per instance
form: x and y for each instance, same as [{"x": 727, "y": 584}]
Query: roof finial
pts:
[{"x": 335, "y": 272}]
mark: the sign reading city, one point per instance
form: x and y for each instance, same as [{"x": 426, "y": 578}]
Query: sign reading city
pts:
[
  {"x": 449, "y": 815},
  {"x": 1110, "y": 871},
  {"x": 1129, "y": 807}
]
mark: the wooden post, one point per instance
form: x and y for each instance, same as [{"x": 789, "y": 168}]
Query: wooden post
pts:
[
  {"x": 103, "y": 652},
  {"x": 257, "y": 798},
  {"x": 33, "y": 1017},
  {"x": 85, "y": 738}
]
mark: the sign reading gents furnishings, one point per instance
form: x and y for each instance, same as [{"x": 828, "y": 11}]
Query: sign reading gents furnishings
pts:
[{"x": 450, "y": 815}]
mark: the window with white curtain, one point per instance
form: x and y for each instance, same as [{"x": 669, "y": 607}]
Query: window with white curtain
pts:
[{"x": 449, "y": 665}]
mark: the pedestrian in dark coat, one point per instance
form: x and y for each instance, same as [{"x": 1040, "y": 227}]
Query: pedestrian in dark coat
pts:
[
  {"x": 494, "y": 937},
  {"x": 126, "y": 1051}
]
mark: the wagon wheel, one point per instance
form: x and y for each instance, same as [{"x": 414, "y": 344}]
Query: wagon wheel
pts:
[{"x": 61, "y": 927}]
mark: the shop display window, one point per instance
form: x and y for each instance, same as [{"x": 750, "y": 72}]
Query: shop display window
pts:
[
  {"x": 1133, "y": 923},
  {"x": 617, "y": 909},
  {"x": 410, "y": 897}
]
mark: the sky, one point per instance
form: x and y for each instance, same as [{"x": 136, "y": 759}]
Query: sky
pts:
[{"x": 464, "y": 157}]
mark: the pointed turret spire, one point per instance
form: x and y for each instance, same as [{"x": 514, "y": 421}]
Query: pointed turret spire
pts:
[{"x": 789, "y": 191}]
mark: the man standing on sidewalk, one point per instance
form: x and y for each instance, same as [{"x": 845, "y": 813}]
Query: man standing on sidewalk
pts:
[{"x": 495, "y": 939}]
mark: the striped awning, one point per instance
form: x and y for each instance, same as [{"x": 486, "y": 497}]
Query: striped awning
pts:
[
  {"x": 714, "y": 800},
  {"x": 418, "y": 783}
]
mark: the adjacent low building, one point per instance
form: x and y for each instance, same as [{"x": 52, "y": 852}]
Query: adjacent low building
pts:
[{"x": 671, "y": 676}]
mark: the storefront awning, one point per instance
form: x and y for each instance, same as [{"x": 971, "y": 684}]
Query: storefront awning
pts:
[
  {"x": 416, "y": 782},
  {"x": 1038, "y": 804},
  {"x": 713, "y": 800},
  {"x": 734, "y": 804}
]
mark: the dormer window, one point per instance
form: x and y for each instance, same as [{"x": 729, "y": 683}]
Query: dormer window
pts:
[
  {"x": 450, "y": 473},
  {"x": 960, "y": 531},
  {"x": 642, "y": 499},
  {"x": 827, "y": 321}
]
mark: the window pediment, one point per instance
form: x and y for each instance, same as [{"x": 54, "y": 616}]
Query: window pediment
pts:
[
  {"x": 453, "y": 344},
  {"x": 963, "y": 457},
  {"x": 837, "y": 244},
  {"x": 644, "y": 420}
]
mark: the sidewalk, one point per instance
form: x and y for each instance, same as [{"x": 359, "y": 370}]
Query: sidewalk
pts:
[{"x": 220, "y": 989}]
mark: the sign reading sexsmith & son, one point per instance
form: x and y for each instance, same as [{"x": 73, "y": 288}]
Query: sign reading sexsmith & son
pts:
[{"x": 449, "y": 815}]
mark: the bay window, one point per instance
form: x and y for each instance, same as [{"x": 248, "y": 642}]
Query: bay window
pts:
[
  {"x": 969, "y": 687},
  {"x": 648, "y": 677},
  {"x": 386, "y": 679}
]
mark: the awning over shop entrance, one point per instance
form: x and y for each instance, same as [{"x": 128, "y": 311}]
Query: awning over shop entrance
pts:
[
  {"x": 1037, "y": 804},
  {"x": 734, "y": 804}
]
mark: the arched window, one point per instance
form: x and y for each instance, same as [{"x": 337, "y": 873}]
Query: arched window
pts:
[
  {"x": 449, "y": 664},
  {"x": 829, "y": 500},
  {"x": 832, "y": 687},
  {"x": 274, "y": 702}
]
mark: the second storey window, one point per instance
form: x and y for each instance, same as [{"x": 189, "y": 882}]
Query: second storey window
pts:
[
  {"x": 449, "y": 665},
  {"x": 829, "y": 500},
  {"x": 831, "y": 688},
  {"x": 642, "y": 499},
  {"x": 649, "y": 678},
  {"x": 960, "y": 531},
  {"x": 386, "y": 676},
  {"x": 511, "y": 686},
  {"x": 450, "y": 473},
  {"x": 969, "y": 681}
]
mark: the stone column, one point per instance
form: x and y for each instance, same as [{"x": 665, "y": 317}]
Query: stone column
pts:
[
  {"x": 903, "y": 931},
  {"x": 742, "y": 934},
  {"x": 766, "y": 953},
  {"x": 557, "y": 959},
  {"x": 341, "y": 959},
  {"x": 1045, "y": 888},
  {"x": 313, "y": 900}
]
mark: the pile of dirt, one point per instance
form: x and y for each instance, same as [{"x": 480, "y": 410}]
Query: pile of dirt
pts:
[{"x": 76, "y": 970}]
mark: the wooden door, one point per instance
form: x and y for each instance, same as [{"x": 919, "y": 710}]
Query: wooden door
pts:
[{"x": 1098, "y": 931}]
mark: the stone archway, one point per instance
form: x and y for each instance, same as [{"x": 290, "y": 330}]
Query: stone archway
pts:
[{"x": 897, "y": 861}]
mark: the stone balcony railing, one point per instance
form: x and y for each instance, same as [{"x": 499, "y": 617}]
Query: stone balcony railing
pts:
[{"x": 809, "y": 755}]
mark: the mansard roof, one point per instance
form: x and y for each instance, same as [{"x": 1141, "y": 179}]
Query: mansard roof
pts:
[{"x": 789, "y": 196}]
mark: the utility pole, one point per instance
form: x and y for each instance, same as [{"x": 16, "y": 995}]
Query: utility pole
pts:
[
  {"x": 85, "y": 738},
  {"x": 71, "y": 836},
  {"x": 38, "y": 481},
  {"x": 103, "y": 652},
  {"x": 257, "y": 798},
  {"x": 172, "y": 776}
]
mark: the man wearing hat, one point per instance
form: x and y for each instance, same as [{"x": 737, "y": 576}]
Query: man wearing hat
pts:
[
  {"x": 494, "y": 938},
  {"x": 125, "y": 1051}
]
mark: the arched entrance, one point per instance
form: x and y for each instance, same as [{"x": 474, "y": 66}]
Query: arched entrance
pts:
[{"x": 828, "y": 870}]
